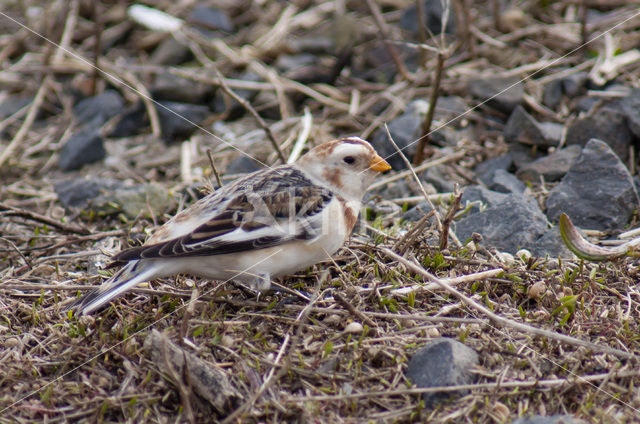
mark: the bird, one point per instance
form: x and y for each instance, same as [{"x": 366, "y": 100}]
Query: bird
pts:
[{"x": 265, "y": 225}]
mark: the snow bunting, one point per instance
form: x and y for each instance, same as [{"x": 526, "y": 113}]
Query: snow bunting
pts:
[{"x": 267, "y": 224}]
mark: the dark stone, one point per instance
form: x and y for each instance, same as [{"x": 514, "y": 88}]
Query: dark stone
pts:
[
  {"x": 552, "y": 94},
  {"x": 432, "y": 18},
  {"x": 442, "y": 362},
  {"x": 437, "y": 177},
  {"x": 597, "y": 193},
  {"x": 485, "y": 170},
  {"x": 177, "y": 89},
  {"x": 551, "y": 167},
  {"x": 505, "y": 182},
  {"x": 604, "y": 124},
  {"x": 491, "y": 90},
  {"x": 417, "y": 212},
  {"x": 222, "y": 103},
  {"x": 243, "y": 165},
  {"x": 523, "y": 128},
  {"x": 82, "y": 148},
  {"x": 575, "y": 84},
  {"x": 511, "y": 224},
  {"x": 77, "y": 193},
  {"x": 179, "y": 120},
  {"x": 13, "y": 104},
  {"x": 552, "y": 419},
  {"x": 405, "y": 130},
  {"x": 170, "y": 52},
  {"x": 477, "y": 193},
  {"x": 630, "y": 106},
  {"x": 98, "y": 109},
  {"x": 132, "y": 122},
  {"x": 586, "y": 104},
  {"x": 450, "y": 107},
  {"x": 210, "y": 18}
]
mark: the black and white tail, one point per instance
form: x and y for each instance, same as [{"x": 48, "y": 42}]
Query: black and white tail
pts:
[{"x": 126, "y": 278}]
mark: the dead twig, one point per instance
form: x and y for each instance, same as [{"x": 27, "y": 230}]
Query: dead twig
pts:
[
  {"x": 354, "y": 311},
  {"x": 433, "y": 100},
  {"x": 448, "y": 218}
]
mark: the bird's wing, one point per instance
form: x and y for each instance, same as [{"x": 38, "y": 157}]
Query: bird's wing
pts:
[{"x": 262, "y": 212}]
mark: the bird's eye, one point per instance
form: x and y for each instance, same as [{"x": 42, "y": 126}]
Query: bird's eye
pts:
[{"x": 349, "y": 160}]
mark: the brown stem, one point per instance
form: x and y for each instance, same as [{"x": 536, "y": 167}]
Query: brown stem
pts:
[{"x": 433, "y": 100}]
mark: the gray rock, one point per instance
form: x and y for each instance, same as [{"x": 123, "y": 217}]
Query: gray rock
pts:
[
  {"x": 417, "y": 212},
  {"x": 177, "y": 89},
  {"x": 108, "y": 196},
  {"x": 442, "y": 362},
  {"x": 432, "y": 18},
  {"x": 486, "y": 88},
  {"x": 210, "y": 18},
  {"x": 552, "y": 94},
  {"x": 605, "y": 124},
  {"x": 485, "y": 170},
  {"x": 552, "y": 419},
  {"x": 523, "y": 128},
  {"x": 77, "y": 193},
  {"x": 13, "y": 104},
  {"x": 98, "y": 109},
  {"x": 509, "y": 223},
  {"x": 177, "y": 119},
  {"x": 243, "y": 165},
  {"x": 597, "y": 193},
  {"x": 630, "y": 106},
  {"x": 132, "y": 122},
  {"x": 82, "y": 148},
  {"x": 405, "y": 130},
  {"x": 551, "y": 167},
  {"x": 575, "y": 84},
  {"x": 437, "y": 177},
  {"x": 170, "y": 52},
  {"x": 505, "y": 182}
]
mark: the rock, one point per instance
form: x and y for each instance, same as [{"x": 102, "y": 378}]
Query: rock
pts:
[
  {"x": 177, "y": 89},
  {"x": 450, "y": 107},
  {"x": 132, "y": 122},
  {"x": 552, "y": 94},
  {"x": 575, "y": 84},
  {"x": 551, "y": 167},
  {"x": 210, "y": 18},
  {"x": 597, "y": 193},
  {"x": 487, "y": 197},
  {"x": 177, "y": 119},
  {"x": 243, "y": 165},
  {"x": 491, "y": 90},
  {"x": 12, "y": 104},
  {"x": 98, "y": 109},
  {"x": 486, "y": 170},
  {"x": 437, "y": 176},
  {"x": 442, "y": 362},
  {"x": 170, "y": 52},
  {"x": 510, "y": 222},
  {"x": 607, "y": 125},
  {"x": 630, "y": 106},
  {"x": 106, "y": 196},
  {"x": 523, "y": 128},
  {"x": 77, "y": 193},
  {"x": 405, "y": 130},
  {"x": 417, "y": 212},
  {"x": 505, "y": 182},
  {"x": 552, "y": 419},
  {"x": 432, "y": 18},
  {"x": 82, "y": 148},
  {"x": 133, "y": 201}
]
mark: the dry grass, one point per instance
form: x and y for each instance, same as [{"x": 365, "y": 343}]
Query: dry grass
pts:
[{"x": 289, "y": 359}]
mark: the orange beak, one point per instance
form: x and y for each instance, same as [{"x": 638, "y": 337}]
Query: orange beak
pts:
[{"x": 379, "y": 164}]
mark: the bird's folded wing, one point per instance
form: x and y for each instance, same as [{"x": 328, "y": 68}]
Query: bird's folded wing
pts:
[{"x": 250, "y": 220}]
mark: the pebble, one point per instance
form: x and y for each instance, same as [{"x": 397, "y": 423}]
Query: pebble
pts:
[{"x": 354, "y": 328}]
